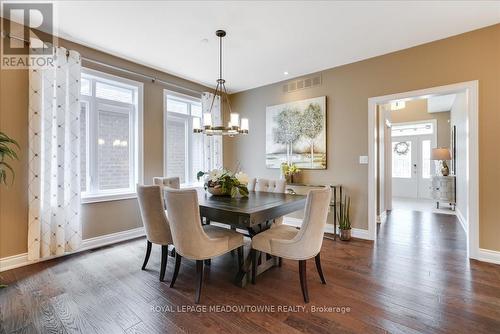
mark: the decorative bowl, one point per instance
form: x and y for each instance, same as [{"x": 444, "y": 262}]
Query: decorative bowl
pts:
[{"x": 217, "y": 191}]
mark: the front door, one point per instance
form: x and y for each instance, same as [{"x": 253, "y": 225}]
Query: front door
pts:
[
  {"x": 404, "y": 167},
  {"x": 411, "y": 166}
]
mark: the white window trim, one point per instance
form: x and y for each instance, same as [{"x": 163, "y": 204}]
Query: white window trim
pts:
[
  {"x": 166, "y": 115},
  {"x": 187, "y": 98},
  {"x": 433, "y": 121},
  {"x": 138, "y": 138}
]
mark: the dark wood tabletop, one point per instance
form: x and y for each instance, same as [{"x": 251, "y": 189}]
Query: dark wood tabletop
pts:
[{"x": 247, "y": 212}]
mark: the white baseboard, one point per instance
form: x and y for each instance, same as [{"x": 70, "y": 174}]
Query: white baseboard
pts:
[
  {"x": 487, "y": 255},
  {"x": 360, "y": 234},
  {"x": 112, "y": 238},
  {"x": 14, "y": 261},
  {"x": 355, "y": 232},
  {"x": 462, "y": 220},
  {"x": 20, "y": 260}
]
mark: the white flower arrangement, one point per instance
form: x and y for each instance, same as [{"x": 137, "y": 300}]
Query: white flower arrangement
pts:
[{"x": 226, "y": 182}]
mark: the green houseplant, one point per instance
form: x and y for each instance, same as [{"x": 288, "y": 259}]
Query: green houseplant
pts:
[
  {"x": 7, "y": 151},
  {"x": 344, "y": 218}
]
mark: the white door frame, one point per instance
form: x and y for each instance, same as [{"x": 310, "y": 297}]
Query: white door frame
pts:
[{"x": 471, "y": 89}]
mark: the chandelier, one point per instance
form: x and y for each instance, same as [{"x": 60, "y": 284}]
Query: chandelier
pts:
[{"x": 233, "y": 127}]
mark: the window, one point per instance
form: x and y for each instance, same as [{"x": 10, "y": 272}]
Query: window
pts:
[
  {"x": 426, "y": 159},
  {"x": 187, "y": 153},
  {"x": 111, "y": 136},
  {"x": 401, "y": 159},
  {"x": 412, "y": 129}
]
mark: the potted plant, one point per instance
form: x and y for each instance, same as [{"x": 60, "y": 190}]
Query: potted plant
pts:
[
  {"x": 221, "y": 182},
  {"x": 288, "y": 171},
  {"x": 7, "y": 150},
  {"x": 344, "y": 218}
]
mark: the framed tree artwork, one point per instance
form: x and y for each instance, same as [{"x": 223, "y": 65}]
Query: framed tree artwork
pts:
[{"x": 296, "y": 134}]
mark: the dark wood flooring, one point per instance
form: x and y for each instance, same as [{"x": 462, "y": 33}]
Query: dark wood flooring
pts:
[{"x": 414, "y": 279}]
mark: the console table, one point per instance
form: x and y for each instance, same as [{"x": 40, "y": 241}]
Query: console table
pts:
[
  {"x": 337, "y": 190},
  {"x": 443, "y": 190}
]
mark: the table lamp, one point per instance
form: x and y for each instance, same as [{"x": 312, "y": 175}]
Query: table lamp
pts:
[{"x": 442, "y": 154}]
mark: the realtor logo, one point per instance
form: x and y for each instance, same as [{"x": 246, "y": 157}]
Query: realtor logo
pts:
[{"x": 27, "y": 35}]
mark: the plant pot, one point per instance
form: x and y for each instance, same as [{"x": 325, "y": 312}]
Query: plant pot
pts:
[
  {"x": 217, "y": 191},
  {"x": 345, "y": 235}
]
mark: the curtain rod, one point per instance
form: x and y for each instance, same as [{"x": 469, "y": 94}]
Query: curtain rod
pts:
[{"x": 145, "y": 76}]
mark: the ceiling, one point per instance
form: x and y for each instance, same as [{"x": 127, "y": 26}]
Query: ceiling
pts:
[
  {"x": 264, "y": 38},
  {"x": 440, "y": 103}
]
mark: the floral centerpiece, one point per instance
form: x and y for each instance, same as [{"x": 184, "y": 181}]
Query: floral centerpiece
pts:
[
  {"x": 288, "y": 171},
  {"x": 222, "y": 182}
]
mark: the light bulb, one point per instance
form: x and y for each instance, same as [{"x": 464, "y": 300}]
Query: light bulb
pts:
[
  {"x": 235, "y": 119},
  {"x": 244, "y": 124},
  {"x": 196, "y": 123}
]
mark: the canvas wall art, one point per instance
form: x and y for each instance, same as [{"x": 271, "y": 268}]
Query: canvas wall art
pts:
[{"x": 296, "y": 133}]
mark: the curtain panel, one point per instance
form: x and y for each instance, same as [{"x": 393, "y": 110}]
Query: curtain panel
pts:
[
  {"x": 54, "y": 226},
  {"x": 213, "y": 144}
]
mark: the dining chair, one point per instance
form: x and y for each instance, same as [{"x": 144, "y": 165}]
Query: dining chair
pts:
[
  {"x": 289, "y": 243},
  {"x": 155, "y": 223},
  {"x": 171, "y": 182},
  {"x": 270, "y": 186},
  {"x": 193, "y": 240}
]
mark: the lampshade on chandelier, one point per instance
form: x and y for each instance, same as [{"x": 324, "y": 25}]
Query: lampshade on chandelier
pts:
[{"x": 234, "y": 127}]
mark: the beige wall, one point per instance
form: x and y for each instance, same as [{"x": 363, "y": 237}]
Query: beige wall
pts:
[
  {"x": 471, "y": 56},
  {"x": 416, "y": 110},
  {"x": 97, "y": 218}
]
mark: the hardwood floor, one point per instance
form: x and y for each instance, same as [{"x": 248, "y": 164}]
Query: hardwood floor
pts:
[{"x": 415, "y": 279}]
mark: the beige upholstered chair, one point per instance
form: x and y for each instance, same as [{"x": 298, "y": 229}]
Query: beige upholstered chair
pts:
[
  {"x": 170, "y": 182},
  {"x": 155, "y": 223},
  {"x": 270, "y": 186},
  {"x": 194, "y": 241},
  {"x": 289, "y": 243}
]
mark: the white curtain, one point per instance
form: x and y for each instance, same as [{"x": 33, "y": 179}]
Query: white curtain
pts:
[
  {"x": 213, "y": 144},
  {"x": 54, "y": 157}
]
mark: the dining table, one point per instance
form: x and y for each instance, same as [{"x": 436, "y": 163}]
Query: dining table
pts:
[{"x": 252, "y": 214}]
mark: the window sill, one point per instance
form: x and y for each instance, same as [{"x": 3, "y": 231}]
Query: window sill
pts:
[{"x": 107, "y": 197}]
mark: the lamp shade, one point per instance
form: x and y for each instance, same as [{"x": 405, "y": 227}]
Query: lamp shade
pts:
[{"x": 440, "y": 154}]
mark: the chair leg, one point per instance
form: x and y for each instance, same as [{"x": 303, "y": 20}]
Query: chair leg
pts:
[
  {"x": 199, "y": 280},
  {"x": 303, "y": 280},
  {"x": 164, "y": 258},
  {"x": 255, "y": 255},
  {"x": 148, "y": 253},
  {"x": 178, "y": 259},
  {"x": 280, "y": 261},
  {"x": 318, "y": 267}
]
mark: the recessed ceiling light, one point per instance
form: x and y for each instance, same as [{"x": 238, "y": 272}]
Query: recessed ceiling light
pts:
[
  {"x": 285, "y": 73},
  {"x": 204, "y": 40}
]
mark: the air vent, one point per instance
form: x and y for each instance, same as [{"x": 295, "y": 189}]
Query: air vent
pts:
[{"x": 303, "y": 83}]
